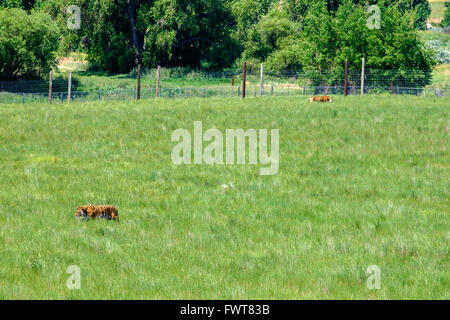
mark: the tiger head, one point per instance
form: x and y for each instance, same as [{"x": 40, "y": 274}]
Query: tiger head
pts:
[{"x": 81, "y": 212}]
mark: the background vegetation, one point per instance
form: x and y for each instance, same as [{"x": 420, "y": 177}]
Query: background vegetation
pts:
[
  {"x": 27, "y": 44},
  {"x": 308, "y": 35}
]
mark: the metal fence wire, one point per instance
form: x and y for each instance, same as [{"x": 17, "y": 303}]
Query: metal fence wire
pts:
[{"x": 181, "y": 83}]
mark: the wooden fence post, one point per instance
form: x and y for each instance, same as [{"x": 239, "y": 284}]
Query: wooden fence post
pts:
[
  {"x": 244, "y": 78},
  {"x": 345, "y": 77},
  {"x": 158, "y": 72},
  {"x": 50, "y": 83},
  {"x": 69, "y": 88},
  {"x": 138, "y": 89},
  {"x": 261, "y": 80},
  {"x": 363, "y": 75}
]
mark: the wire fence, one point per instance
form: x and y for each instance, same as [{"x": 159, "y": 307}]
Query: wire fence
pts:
[{"x": 180, "y": 83}]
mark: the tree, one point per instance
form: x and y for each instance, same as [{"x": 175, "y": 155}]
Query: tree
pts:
[
  {"x": 246, "y": 13},
  {"x": 297, "y": 9},
  {"x": 268, "y": 35},
  {"x": 117, "y": 34},
  {"x": 321, "y": 43},
  {"x": 27, "y": 44},
  {"x": 213, "y": 34},
  {"x": 421, "y": 8},
  {"x": 108, "y": 31},
  {"x": 194, "y": 33}
]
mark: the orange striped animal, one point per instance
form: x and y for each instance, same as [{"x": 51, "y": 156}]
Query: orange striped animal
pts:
[
  {"x": 320, "y": 99},
  {"x": 92, "y": 212}
]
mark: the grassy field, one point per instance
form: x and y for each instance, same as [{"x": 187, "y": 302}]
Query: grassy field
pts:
[
  {"x": 362, "y": 181},
  {"x": 441, "y": 75}
]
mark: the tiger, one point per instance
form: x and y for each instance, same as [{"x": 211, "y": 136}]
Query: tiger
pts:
[
  {"x": 320, "y": 99},
  {"x": 92, "y": 212}
]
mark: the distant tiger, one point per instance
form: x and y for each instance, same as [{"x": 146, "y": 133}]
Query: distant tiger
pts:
[
  {"x": 320, "y": 99},
  {"x": 92, "y": 212}
]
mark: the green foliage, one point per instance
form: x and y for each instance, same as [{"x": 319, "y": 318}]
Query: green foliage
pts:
[
  {"x": 273, "y": 34},
  {"x": 188, "y": 33},
  {"x": 297, "y": 10},
  {"x": 23, "y": 4},
  {"x": 10, "y": 3},
  {"x": 108, "y": 31},
  {"x": 117, "y": 34},
  {"x": 71, "y": 40},
  {"x": 321, "y": 43},
  {"x": 446, "y": 21},
  {"x": 105, "y": 32},
  {"x": 313, "y": 35},
  {"x": 247, "y": 13},
  {"x": 421, "y": 8},
  {"x": 27, "y": 44}
]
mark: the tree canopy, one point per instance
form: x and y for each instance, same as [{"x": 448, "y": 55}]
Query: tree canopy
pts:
[
  {"x": 27, "y": 44},
  {"x": 216, "y": 34}
]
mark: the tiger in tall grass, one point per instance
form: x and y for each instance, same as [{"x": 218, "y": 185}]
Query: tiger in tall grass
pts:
[
  {"x": 320, "y": 99},
  {"x": 92, "y": 212}
]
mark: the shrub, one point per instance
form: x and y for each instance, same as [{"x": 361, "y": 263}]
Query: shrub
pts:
[{"x": 27, "y": 44}]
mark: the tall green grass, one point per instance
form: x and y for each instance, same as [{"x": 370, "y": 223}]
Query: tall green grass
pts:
[{"x": 362, "y": 181}]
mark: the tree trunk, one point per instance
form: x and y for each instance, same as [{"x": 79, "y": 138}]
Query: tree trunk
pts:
[{"x": 137, "y": 37}]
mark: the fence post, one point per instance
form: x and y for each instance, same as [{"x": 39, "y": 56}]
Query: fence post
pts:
[
  {"x": 304, "y": 90},
  {"x": 204, "y": 93},
  {"x": 134, "y": 93},
  {"x": 23, "y": 98},
  {"x": 261, "y": 80},
  {"x": 138, "y": 94},
  {"x": 362, "y": 75},
  {"x": 244, "y": 78},
  {"x": 69, "y": 88},
  {"x": 271, "y": 90},
  {"x": 99, "y": 96},
  {"x": 50, "y": 83},
  {"x": 239, "y": 91},
  {"x": 158, "y": 71},
  {"x": 345, "y": 77}
]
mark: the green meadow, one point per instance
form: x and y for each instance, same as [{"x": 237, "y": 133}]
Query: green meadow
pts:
[{"x": 362, "y": 181}]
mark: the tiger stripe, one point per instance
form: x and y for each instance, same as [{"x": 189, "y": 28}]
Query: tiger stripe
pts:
[{"x": 100, "y": 211}]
